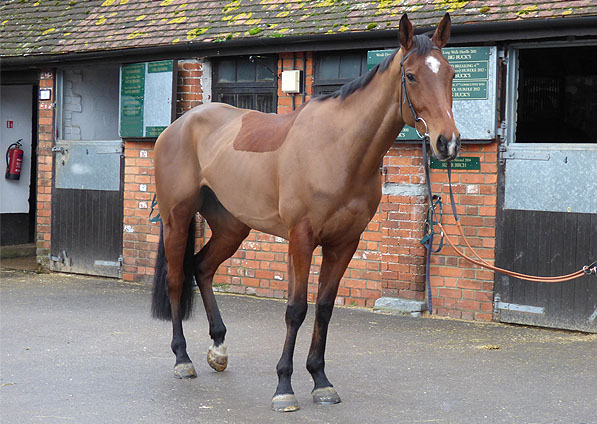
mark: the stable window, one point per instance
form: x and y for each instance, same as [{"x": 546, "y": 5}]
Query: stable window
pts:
[
  {"x": 248, "y": 83},
  {"x": 87, "y": 100},
  {"x": 556, "y": 95},
  {"x": 333, "y": 70}
]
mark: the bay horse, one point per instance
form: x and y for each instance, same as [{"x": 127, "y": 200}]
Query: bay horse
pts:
[{"x": 311, "y": 177}]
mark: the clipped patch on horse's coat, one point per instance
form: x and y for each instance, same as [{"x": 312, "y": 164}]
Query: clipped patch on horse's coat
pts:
[{"x": 263, "y": 132}]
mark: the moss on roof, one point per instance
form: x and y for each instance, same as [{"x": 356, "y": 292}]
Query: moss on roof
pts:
[{"x": 42, "y": 27}]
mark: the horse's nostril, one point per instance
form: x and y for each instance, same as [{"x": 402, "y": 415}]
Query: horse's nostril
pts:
[{"x": 442, "y": 144}]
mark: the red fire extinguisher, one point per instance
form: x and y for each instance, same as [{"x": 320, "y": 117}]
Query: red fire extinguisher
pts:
[{"x": 14, "y": 160}]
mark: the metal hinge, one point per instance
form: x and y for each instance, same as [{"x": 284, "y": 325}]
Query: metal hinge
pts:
[
  {"x": 524, "y": 155},
  {"x": 109, "y": 263},
  {"x": 505, "y": 306},
  {"x": 110, "y": 150},
  {"x": 63, "y": 258},
  {"x": 501, "y": 131},
  {"x": 502, "y": 55}
]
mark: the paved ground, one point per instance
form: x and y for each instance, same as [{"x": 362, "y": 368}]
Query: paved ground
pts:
[{"x": 85, "y": 350}]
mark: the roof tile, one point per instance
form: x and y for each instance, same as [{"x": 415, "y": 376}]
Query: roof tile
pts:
[{"x": 34, "y": 27}]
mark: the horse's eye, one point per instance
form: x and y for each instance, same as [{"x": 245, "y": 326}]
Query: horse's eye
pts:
[{"x": 411, "y": 77}]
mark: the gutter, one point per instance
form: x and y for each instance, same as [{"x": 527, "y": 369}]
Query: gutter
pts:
[{"x": 490, "y": 32}]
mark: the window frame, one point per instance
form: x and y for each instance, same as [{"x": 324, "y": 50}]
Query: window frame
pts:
[
  {"x": 327, "y": 86},
  {"x": 239, "y": 88}
]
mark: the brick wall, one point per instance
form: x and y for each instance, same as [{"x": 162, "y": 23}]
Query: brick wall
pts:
[
  {"x": 460, "y": 289},
  {"x": 302, "y": 61},
  {"x": 44, "y": 168},
  {"x": 140, "y": 237},
  {"x": 189, "y": 90},
  {"x": 403, "y": 208}
]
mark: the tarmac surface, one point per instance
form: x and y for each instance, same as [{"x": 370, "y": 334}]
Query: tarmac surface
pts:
[{"x": 77, "y": 349}]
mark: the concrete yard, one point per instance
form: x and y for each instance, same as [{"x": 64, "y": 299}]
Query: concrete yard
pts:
[{"x": 76, "y": 349}]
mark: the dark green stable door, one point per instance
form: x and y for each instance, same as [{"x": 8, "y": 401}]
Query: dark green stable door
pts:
[{"x": 548, "y": 244}]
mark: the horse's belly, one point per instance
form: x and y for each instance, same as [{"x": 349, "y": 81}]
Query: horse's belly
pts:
[{"x": 247, "y": 188}]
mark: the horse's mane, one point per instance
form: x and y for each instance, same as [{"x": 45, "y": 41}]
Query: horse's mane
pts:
[{"x": 421, "y": 42}]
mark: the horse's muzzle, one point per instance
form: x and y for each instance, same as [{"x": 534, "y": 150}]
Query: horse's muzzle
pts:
[{"x": 448, "y": 148}]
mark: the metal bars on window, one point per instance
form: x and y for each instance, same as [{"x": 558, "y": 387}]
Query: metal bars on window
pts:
[{"x": 245, "y": 83}]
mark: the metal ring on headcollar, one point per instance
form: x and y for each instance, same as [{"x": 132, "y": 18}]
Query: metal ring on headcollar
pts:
[{"x": 417, "y": 119}]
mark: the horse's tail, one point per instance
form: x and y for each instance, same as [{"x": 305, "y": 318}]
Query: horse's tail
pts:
[{"x": 160, "y": 305}]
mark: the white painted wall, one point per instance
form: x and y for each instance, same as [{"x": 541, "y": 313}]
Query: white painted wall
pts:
[{"x": 15, "y": 106}]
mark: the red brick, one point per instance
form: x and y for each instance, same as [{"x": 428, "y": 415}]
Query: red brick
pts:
[{"x": 450, "y": 293}]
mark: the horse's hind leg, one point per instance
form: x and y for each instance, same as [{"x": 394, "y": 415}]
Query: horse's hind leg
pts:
[
  {"x": 179, "y": 246},
  {"x": 227, "y": 235},
  {"x": 335, "y": 261}
]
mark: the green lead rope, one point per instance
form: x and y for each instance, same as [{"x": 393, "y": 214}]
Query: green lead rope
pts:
[
  {"x": 432, "y": 219},
  {"x": 156, "y": 218}
]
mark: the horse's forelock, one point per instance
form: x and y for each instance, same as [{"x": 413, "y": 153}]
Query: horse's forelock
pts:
[{"x": 423, "y": 44}]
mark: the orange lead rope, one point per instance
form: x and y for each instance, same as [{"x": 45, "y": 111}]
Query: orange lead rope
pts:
[{"x": 585, "y": 270}]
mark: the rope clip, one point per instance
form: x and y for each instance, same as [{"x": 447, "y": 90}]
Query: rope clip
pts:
[{"x": 590, "y": 269}]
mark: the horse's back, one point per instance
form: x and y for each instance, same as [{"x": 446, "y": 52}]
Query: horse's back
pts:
[{"x": 198, "y": 150}]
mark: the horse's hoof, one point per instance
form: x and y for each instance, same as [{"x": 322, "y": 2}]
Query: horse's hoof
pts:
[
  {"x": 217, "y": 358},
  {"x": 186, "y": 370},
  {"x": 285, "y": 403},
  {"x": 326, "y": 396}
]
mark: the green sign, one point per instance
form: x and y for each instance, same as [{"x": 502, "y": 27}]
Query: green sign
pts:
[
  {"x": 146, "y": 91},
  {"x": 375, "y": 57},
  {"x": 163, "y": 66},
  {"x": 153, "y": 131},
  {"x": 408, "y": 133},
  {"x": 472, "y": 163},
  {"x": 472, "y": 72},
  {"x": 132, "y": 92}
]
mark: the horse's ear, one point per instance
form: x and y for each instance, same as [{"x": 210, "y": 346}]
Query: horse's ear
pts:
[
  {"x": 442, "y": 33},
  {"x": 406, "y": 33}
]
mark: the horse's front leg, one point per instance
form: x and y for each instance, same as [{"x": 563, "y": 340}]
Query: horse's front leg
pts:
[
  {"x": 300, "y": 252},
  {"x": 335, "y": 261}
]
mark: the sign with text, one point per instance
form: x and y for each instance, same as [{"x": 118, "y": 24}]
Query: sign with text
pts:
[
  {"x": 472, "y": 72},
  {"x": 146, "y": 93},
  {"x": 473, "y": 90},
  {"x": 460, "y": 163}
]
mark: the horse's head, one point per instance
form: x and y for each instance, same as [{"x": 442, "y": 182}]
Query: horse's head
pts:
[{"x": 426, "y": 87}]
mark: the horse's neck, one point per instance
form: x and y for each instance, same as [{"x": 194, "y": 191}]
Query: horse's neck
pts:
[{"x": 373, "y": 118}]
